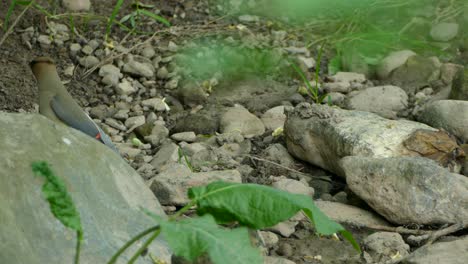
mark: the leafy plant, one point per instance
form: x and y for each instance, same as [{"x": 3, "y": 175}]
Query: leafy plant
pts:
[
  {"x": 313, "y": 90},
  {"x": 141, "y": 11},
  {"x": 250, "y": 205},
  {"x": 61, "y": 203}
]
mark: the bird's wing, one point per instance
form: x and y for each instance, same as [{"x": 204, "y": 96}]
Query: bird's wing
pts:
[
  {"x": 79, "y": 120},
  {"x": 76, "y": 119}
]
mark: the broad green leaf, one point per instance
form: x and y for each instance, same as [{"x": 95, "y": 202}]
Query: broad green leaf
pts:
[
  {"x": 154, "y": 17},
  {"x": 191, "y": 238},
  {"x": 56, "y": 194},
  {"x": 260, "y": 206}
]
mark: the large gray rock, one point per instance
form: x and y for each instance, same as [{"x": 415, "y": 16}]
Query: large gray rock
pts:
[
  {"x": 322, "y": 135},
  {"x": 386, "y": 101},
  {"x": 107, "y": 192},
  {"x": 450, "y": 115},
  {"x": 409, "y": 190},
  {"x": 453, "y": 252}
]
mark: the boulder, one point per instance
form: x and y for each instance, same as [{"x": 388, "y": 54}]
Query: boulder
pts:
[
  {"x": 451, "y": 115},
  {"x": 409, "y": 190},
  {"x": 107, "y": 192},
  {"x": 322, "y": 135}
]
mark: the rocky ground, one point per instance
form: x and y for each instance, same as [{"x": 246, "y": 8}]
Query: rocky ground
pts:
[{"x": 386, "y": 157}]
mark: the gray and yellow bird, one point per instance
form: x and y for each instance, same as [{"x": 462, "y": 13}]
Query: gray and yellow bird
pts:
[{"x": 59, "y": 106}]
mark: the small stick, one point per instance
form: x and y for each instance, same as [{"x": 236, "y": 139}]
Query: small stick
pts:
[{"x": 10, "y": 29}]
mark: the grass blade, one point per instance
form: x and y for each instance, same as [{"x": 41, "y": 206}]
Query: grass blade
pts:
[
  {"x": 115, "y": 11},
  {"x": 154, "y": 17}
]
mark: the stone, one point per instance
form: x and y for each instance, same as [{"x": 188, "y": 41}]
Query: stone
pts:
[
  {"x": 337, "y": 87},
  {"x": 293, "y": 186},
  {"x": 155, "y": 103},
  {"x": 107, "y": 192},
  {"x": 278, "y": 154},
  {"x": 148, "y": 52},
  {"x": 184, "y": 136},
  {"x": 270, "y": 238},
  {"x": 308, "y": 63},
  {"x": 77, "y": 5},
  {"x": 162, "y": 73},
  {"x": 135, "y": 121},
  {"x": 383, "y": 246},
  {"x": 138, "y": 69},
  {"x": 348, "y": 214},
  {"x": 416, "y": 73},
  {"x": 274, "y": 118},
  {"x": 386, "y": 101},
  {"x": 438, "y": 146},
  {"x": 416, "y": 191},
  {"x": 44, "y": 41},
  {"x": 172, "y": 184},
  {"x": 322, "y": 135},
  {"x": 298, "y": 50},
  {"x": 167, "y": 155},
  {"x": 111, "y": 74},
  {"x": 128, "y": 151},
  {"x": 240, "y": 119},
  {"x": 285, "y": 229},
  {"x": 453, "y": 252},
  {"x": 205, "y": 122},
  {"x": 74, "y": 49},
  {"x": 125, "y": 88},
  {"x": 89, "y": 61},
  {"x": 459, "y": 89},
  {"x": 348, "y": 77},
  {"x": 88, "y": 50},
  {"x": 336, "y": 98},
  {"x": 451, "y": 115},
  {"x": 115, "y": 124},
  {"x": 277, "y": 260},
  {"x": 248, "y": 18},
  {"x": 191, "y": 149},
  {"x": 444, "y": 31},
  {"x": 158, "y": 134},
  {"x": 100, "y": 112},
  {"x": 392, "y": 61}
]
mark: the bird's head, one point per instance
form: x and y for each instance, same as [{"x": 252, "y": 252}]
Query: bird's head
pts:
[{"x": 41, "y": 64}]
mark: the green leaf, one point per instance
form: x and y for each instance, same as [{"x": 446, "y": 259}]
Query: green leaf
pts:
[
  {"x": 260, "y": 206},
  {"x": 191, "y": 238},
  {"x": 55, "y": 192},
  {"x": 154, "y": 17},
  {"x": 126, "y": 17},
  {"x": 114, "y": 13}
]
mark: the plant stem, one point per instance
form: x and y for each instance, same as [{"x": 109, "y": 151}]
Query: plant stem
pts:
[
  {"x": 79, "y": 238},
  {"x": 183, "y": 210},
  {"x": 145, "y": 245},
  {"x": 131, "y": 241}
]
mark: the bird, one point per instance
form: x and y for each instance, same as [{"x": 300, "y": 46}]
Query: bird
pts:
[{"x": 57, "y": 104}]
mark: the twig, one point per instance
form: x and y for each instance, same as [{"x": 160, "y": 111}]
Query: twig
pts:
[
  {"x": 286, "y": 168},
  {"x": 446, "y": 231},
  {"x": 10, "y": 29}
]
